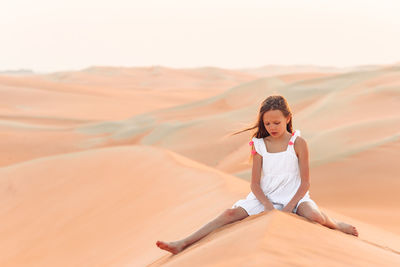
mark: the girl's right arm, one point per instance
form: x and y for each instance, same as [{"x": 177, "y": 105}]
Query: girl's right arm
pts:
[{"x": 255, "y": 182}]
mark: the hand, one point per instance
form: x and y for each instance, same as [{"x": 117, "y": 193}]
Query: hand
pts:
[
  {"x": 288, "y": 208},
  {"x": 268, "y": 208}
]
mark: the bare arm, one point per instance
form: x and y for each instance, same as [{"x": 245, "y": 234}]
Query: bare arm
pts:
[
  {"x": 255, "y": 182},
  {"x": 302, "y": 153}
]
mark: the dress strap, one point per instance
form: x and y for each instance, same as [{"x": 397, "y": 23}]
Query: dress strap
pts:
[
  {"x": 258, "y": 145},
  {"x": 292, "y": 139}
]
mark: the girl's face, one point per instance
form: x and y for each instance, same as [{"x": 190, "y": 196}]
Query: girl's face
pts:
[{"x": 275, "y": 122}]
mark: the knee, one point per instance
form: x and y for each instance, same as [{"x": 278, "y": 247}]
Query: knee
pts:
[
  {"x": 229, "y": 214},
  {"x": 317, "y": 217}
]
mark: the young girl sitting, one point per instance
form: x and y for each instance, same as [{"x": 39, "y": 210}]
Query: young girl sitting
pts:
[{"x": 280, "y": 176}]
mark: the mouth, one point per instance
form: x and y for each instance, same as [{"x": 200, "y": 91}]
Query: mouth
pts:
[{"x": 273, "y": 133}]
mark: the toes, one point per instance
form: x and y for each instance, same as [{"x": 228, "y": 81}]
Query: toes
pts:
[
  {"x": 171, "y": 247},
  {"x": 348, "y": 228},
  {"x": 355, "y": 232},
  {"x": 162, "y": 245},
  {"x": 166, "y": 246}
]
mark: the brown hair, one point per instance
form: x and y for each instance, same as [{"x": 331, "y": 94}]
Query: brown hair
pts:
[{"x": 273, "y": 102}]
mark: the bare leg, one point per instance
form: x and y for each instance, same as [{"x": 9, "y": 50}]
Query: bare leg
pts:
[
  {"x": 228, "y": 216},
  {"x": 341, "y": 226},
  {"x": 312, "y": 212},
  {"x": 329, "y": 222}
]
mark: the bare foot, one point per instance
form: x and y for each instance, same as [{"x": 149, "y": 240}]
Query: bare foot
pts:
[
  {"x": 347, "y": 228},
  {"x": 173, "y": 247}
]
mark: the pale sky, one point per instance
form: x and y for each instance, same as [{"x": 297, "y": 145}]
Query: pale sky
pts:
[{"x": 54, "y": 35}]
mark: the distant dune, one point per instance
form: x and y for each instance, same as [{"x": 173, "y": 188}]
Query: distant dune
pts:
[
  {"x": 99, "y": 164},
  {"x": 273, "y": 70},
  {"x": 17, "y": 72}
]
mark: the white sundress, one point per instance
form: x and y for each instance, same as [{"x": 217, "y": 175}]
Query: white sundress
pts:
[{"x": 280, "y": 178}]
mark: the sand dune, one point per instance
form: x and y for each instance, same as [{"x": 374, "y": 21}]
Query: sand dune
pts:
[
  {"x": 281, "y": 239},
  {"x": 99, "y": 164},
  {"x": 111, "y": 212},
  {"x": 101, "y": 93},
  {"x": 274, "y": 70},
  {"x": 61, "y": 102},
  {"x": 87, "y": 207}
]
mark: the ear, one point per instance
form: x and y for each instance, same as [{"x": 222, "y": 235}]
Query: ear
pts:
[{"x": 287, "y": 120}]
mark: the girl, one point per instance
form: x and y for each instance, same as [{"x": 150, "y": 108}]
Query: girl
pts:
[{"x": 282, "y": 157}]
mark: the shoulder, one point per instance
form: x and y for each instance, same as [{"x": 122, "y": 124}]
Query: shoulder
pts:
[
  {"x": 300, "y": 141},
  {"x": 300, "y": 145}
]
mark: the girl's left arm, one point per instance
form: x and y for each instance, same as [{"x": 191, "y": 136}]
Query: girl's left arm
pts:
[{"x": 301, "y": 148}]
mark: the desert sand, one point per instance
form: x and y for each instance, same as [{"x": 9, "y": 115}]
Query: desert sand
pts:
[{"x": 97, "y": 165}]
